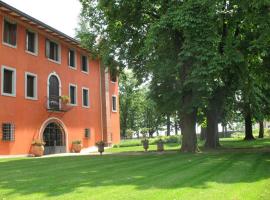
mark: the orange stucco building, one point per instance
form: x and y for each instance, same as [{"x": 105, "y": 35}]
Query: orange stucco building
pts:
[{"x": 51, "y": 89}]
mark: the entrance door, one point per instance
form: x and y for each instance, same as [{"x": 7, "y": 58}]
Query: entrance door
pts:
[
  {"x": 54, "y": 138},
  {"x": 54, "y": 100}
]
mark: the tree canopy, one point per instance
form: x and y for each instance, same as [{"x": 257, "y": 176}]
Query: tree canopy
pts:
[{"x": 198, "y": 55}]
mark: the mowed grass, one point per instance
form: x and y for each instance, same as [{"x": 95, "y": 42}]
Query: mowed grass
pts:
[
  {"x": 236, "y": 175},
  {"x": 226, "y": 143}
]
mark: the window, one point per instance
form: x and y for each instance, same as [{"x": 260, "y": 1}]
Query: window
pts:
[
  {"x": 113, "y": 75},
  {"x": 114, "y": 104},
  {"x": 8, "y": 132},
  {"x": 84, "y": 63},
  {"x": 10, "y": 33},
  {"x": 73, "y": 94},
  {"x": 31, "y": 42},
  {"x": 30, "y": 86},
  {"x": 85, "y": 97},
  {"x": 8, "y": 81},
  {"x": 87, "y": 133},
  {"x": 72, "y": 58},
  {"x": 113, "y": 78},
  {"x": 52, "y": 50}
]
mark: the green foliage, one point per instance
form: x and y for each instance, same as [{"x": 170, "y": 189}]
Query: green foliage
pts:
[
  {"x": 76, "y": 142},
  {"x": 136, "y": 142},
  {"x": 138, "y": 110},
  {"x": 144, "y": 132},
  {"x": 129, "y": 133},
  {"x": 196, "y": 55}
]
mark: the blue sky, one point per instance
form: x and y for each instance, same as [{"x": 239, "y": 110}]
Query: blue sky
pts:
[{"x": 60, "y": 14}]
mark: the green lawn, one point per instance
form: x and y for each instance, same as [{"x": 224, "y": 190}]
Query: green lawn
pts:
[
  {"x": 236, "y": 175},
  {"x": 226, "y": 143}
]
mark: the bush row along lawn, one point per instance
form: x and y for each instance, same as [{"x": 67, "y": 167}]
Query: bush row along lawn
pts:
[
  {"x": 173, "y": 176},
  {"x": 135, "y": 145}
]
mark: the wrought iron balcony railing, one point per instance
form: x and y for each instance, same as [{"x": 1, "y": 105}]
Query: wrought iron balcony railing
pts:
[{"x": 56, "y": 104}]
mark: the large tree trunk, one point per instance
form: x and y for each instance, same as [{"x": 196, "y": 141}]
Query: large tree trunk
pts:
[
  {"x": 248, "y": 124},
  {"x": 175, "y": 126},
  {"x": 213, "y": 115},
  {"x": 212, "y": 140},
  {"x": 203, "y": 133},
  {"x": 168, "y": 125},
  {"x": 261, "y": 131},
  {"x": 188, "y": 128}
]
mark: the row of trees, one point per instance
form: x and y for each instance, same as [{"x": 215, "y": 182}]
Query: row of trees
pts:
[
  {"x": 139, "y": 112},
  {"x": 204, "y": 59}
]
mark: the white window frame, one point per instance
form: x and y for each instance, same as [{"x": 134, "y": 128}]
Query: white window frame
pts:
[
  {"x": 114, "y": 96},
  {"x": 84, "y": 106},
  {"x": 13, "y": 94},
  {"x": 87, "y": 64},
  {"x": 59, "y": 51},
  {"x": 76, "y": 94},
  {"x": 75, "y": 59},
  {"x": 3, "y": 31},
  {"x": 36, "y": 42},
  {"x": 35, "y": 86}
]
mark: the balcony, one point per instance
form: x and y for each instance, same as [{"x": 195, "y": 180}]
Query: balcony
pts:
[{"x": 57, "y": 104}]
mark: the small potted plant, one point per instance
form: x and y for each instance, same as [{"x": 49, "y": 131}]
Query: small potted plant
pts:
[
  {"x": 38, "y": 147},
  {"x": 77, "y": 146},
  {"x": 65, "y": 99},
  {"x": 100, "y": 145},
  {"x": 145, "y": 143},
  {"x": 160, "y": 145}
]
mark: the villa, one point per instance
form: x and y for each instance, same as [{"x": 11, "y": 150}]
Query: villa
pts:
[{"x": 51, "y": 89}]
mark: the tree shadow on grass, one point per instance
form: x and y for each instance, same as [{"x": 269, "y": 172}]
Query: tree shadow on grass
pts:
[{"x": 56, "y": 176}]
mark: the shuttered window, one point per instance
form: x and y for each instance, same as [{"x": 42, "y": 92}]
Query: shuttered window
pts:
[
  {"x": 85, "y": 97},
  {"x": 73, "y": 94},
  {"x": 31, "y": 41},
  {"x": 71, "y": 58},
  {"x": 10, "y": 33},
  {"x": 52, "y": 50},
  {"x": 8, "y": 81},
  {"x": 84, "y": 64},
  {"x": 30, "y": 86},
  {"x": 114, "y": 104}
]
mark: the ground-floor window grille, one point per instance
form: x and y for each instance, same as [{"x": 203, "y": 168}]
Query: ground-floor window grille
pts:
[
  {"x": 87, "y": 133},
  {"x": 8, "y": 132}
]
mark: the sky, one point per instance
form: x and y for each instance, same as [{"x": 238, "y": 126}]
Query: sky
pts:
[{"x": 62, "y": 15}]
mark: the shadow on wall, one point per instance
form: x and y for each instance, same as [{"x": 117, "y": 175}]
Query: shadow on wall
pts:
[{"x": 53, "y": 177}]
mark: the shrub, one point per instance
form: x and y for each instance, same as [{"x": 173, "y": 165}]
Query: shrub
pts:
[
  {"x": 77, "y": 142},
  {"x": 129, "y": 133},
  {"x": 152, "y": 141},
  {"x": 38, "y": 142},
  {"x": 100, "y": 143},
  {"x": 144, "y": 132}
]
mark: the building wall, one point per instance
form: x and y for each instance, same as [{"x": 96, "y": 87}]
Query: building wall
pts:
[
  {"x": 114, "y": 116},
  {"x": 29, "y": 115}
]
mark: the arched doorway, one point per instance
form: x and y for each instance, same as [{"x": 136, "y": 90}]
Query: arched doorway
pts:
[
  {"x": 54, "y": 92},
  {"x": 54, "y": 138}
]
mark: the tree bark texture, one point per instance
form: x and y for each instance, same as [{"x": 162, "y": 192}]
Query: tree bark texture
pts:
[
  {"x": 203, "y": 133},
  {"x": 188, "y": 128},
  {"x": 261, "y": 131},
  {"x": 213, "y": 116},
  {"x": 248, "y": 124},
  {"x": 168, "y": 125},
  {"x": 212, "y": 139}
]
